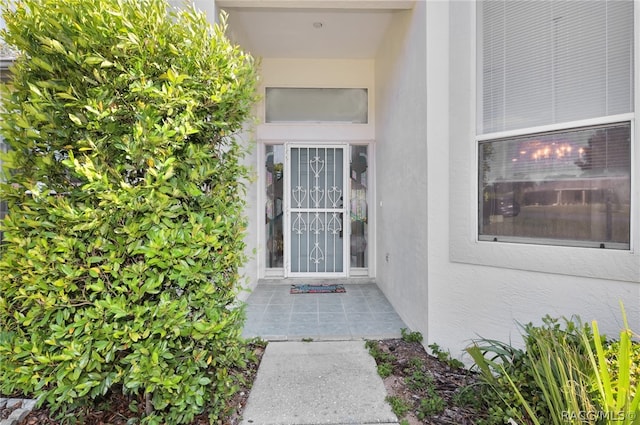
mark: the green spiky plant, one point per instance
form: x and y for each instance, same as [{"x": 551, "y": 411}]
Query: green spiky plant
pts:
[
  {"x": 124, "y": 180},
  {"x": 566, "y": 375},
  {"x": 617, "y": 382}
]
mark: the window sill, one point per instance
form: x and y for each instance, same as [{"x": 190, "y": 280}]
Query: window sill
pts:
[{"x": 611, "y": 264}]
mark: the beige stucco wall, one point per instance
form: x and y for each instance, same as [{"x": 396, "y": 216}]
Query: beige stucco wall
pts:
[
  {"x": 439, "y": 278},
  {"x": 442, "y": 281},
  {"x": 402, "y": 171},
  {"x": 483, "y": 289}
]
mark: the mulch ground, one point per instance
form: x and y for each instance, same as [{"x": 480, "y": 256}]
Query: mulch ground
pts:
[{"x": 453, "y": 384}]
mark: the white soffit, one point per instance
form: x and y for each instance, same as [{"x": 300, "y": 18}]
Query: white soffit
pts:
[
  {"x": 310, "y": 28},
  {"x": 320, "y": 4}
]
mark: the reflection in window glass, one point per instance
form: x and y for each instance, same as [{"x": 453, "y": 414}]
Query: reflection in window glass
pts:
[
  {"x": 358, "y": 206},
  {"x": 569, "y": 187},
  {"x": 274, "y": 183}
]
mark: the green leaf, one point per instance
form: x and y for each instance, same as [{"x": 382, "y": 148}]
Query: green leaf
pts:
[
  {"x": 76, "y": 120},
  {"x": 93, "y": 60},
  {"x": 66, "y": 96}
]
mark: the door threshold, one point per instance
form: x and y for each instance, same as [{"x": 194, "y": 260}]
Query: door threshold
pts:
[{"x": 315, "y": 281}]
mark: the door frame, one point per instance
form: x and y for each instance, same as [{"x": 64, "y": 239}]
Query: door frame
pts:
[{"x": 346, "y": 223}]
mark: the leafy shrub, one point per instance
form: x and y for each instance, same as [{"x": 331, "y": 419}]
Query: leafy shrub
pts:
[
  {"x": 433, "y": 404},
  {"x": 552, "y": 381},
  {"x": 384, "y": 369},
  {"x": 495, "y": 360},
  {"x": 398, "y": 405},
  {"x": 445, "y": 357},
  {"x": 468, "y": 396},
  {"x": 384, "y": 361},
  {"x": 378, "y": 354},
  {"x": 125, "y": 187},
  {"x": 419, "y": 380},
  {"x": 408, "y": 336}
]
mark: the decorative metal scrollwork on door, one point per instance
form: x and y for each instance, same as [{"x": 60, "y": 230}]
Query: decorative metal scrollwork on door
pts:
[{"x": 317, "y": 212}]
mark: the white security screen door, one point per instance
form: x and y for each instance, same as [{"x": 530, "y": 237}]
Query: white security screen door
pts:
[{"x": 315, "y": 210}]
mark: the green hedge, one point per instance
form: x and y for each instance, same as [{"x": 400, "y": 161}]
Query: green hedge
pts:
[{"x": 124, "y": 237}]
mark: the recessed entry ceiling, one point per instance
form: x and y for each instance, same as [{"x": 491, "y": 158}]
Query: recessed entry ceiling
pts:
[{"x": 278, "y": 32}]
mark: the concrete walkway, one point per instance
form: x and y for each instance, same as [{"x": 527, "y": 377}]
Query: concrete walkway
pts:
[{"x": 312, "y": 383}]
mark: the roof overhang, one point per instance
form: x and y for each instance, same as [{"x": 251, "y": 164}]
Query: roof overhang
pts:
[
  {"x": 345, "y": 29},
  {"x": 319, "y": 4}
]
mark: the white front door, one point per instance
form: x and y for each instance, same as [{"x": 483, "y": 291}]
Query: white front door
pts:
[{"x": 315, "y": 210}]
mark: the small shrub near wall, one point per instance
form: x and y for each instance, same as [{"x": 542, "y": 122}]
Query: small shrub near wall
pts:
[
  {"x": 119, "y": 268},
  {"x": 568, "y": 374}
]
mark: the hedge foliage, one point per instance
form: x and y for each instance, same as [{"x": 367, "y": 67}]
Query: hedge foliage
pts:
[{"x": 124, "y": 237}]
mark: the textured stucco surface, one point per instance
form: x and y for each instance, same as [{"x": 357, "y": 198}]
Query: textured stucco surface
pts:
[
  {"x": 401, "y": 208},
  {"x": 484, "y": 289},
  {"x": 441, "y": 281},
  {"x": 438, "y": 277}
]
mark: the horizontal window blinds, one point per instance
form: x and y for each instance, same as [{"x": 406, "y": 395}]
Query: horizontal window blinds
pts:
[{"x": 545, "y": 62}]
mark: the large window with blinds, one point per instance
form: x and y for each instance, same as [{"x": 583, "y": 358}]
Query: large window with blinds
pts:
[{"x": 554, "y": 122}]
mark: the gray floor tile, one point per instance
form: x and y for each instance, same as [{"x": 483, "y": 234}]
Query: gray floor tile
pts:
[
  {"x": 253, "y": 319},
  {"x": 354, "y": 292},
  {"x": 306, "y": 330},
  {"x": 305, "y": 298},
  {"x": 300, "y": 318},
  {"x": 278, "y": 309},
  {"x": 390, "y": 317},
  {"x": 359, "y": 317},
  {"x": 250, "y": 332},
  {"x": 275, "y": 317},
  {"x": 255, "y": 308},
  {"x": 363, "y": 311},
  {"x": 305, "y": 308},
  {"x": 331, "y": 308},
  {"x": 378, "y": 307},
  {"x": 332, "y": 317},
  {"x": 281, "y": 328},
  {"x": 365, "y": 328},
  {"x": 334, "y": 330},
  {"x": 282, "y": 300},
  {"x": 358, "y": 304}
]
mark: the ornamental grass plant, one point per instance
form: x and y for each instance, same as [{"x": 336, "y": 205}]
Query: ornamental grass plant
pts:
[{"x": 568, "y": 373}]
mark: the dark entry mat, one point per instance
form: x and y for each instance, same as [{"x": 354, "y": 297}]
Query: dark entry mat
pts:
[{"x": 325, "y": 288}]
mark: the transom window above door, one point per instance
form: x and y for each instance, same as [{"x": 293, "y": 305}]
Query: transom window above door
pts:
[{"x": 316, "y": 105}]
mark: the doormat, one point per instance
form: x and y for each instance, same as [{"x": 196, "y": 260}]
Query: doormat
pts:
[{"x": 325, "y": 288}]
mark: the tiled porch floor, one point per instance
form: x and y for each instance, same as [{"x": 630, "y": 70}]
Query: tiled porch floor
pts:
[{"x": 362, "y": 312}]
